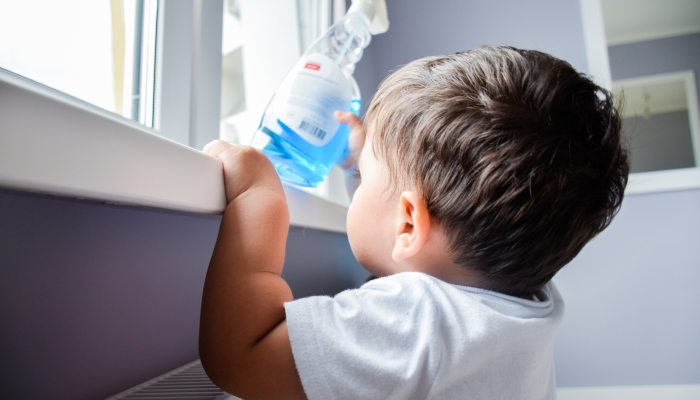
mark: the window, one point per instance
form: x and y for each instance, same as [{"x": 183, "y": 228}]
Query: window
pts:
[
  {"x": 255, "y": 60},
  {"x": 84, "y": 150},
  {"x": 102, "y": 52}
]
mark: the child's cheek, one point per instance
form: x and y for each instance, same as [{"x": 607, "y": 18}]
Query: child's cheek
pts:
[{"x": 357, "y": 224}]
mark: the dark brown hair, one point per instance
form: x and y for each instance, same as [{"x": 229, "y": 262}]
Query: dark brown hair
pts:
[{"x": 516, "y": 154}]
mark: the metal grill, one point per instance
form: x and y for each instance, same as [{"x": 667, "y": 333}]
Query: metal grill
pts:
[{"x": 188, "y": 382}]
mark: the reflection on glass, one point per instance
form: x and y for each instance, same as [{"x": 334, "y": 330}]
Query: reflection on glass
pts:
[
  {"x": 657, "y": 121},
  {"x": 102, "y": 52}
]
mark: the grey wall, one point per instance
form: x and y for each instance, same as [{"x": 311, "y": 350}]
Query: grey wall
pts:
[
  {"x": 319, "y": 262},
  {"x": 632, "y": 299},
  {"x": 98, "y": 298},
  {"x": 421, "y": 28},
  {"x": 653, "y": 57}
]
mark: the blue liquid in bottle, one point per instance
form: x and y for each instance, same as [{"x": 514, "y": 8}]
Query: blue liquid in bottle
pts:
[
  {"x": 301, "y": 163},
  {"x": 298, "y": 132}
]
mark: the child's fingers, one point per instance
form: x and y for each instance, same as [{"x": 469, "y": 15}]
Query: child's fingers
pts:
[
  {"x": 216, "y": 147},
  {"x": 356, "y": 139},
  {"x": 353, "y": 122},
  {"x": 243, "y": 167},
  {"x": 341, "y": 116},
  {"x": 346, "y": 117}
]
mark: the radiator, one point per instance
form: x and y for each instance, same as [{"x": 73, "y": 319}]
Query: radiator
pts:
[{"x": 188, "y": 382}]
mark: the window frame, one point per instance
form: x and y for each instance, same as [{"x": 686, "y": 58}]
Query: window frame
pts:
[
  {"x": 188, "y": 71},
  {"x": 53, "y": 143}
]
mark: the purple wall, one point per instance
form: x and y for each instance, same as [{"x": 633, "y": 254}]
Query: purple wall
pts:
[
  {"x": 632, "y": 298},
  {"x": 421, "y": 28},
  {"x": 99, "y": 298}
]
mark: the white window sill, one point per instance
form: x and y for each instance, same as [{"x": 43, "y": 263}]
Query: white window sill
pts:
[
  {"x": 53, "y": 143},
  {"x": 663, "y": 181},
  {"x": 652, "y": 392}
]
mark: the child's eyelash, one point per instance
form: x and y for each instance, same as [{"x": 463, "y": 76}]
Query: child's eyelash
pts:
[{"x": 356, "y": 174}]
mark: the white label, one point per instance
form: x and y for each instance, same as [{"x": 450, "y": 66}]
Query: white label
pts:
[{"x": 305, "y": 102}]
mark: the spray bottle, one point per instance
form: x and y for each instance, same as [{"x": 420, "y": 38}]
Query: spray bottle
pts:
[{"x": 298, "y": 132}]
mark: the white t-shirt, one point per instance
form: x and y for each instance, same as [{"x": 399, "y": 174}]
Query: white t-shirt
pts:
[{"x": 413, "y": 336}]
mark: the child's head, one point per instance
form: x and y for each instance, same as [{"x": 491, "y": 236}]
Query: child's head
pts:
[{"x": 516, "y": 155}]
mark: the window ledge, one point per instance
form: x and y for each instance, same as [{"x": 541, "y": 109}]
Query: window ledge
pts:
[
  {"x": 53, "y": 143},
  {"x": 663, "y": 181}
]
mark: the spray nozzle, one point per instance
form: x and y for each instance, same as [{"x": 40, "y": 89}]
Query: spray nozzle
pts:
[{"x": 375, "y": 10}]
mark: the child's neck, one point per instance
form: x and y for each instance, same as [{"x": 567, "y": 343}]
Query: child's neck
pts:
[
  {"x": 434, "y": 259},
  {"x": 456, "y": 274}
]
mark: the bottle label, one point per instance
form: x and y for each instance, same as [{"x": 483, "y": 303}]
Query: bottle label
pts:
[{"x": 306, "y": 100}]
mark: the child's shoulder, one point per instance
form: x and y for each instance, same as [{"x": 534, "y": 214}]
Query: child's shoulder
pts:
[
  {"x": 406, "y": 287},
  {"x": 409, "y": 290},
  {"x": 412, "y": 330}
]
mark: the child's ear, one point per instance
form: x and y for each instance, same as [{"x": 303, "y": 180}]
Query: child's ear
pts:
[{"x": 412, "y": 226}]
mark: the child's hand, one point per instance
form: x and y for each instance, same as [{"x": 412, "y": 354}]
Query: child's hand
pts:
[
  {"x": 244, "y": 168},
  {"x": 356, "y": 140}
]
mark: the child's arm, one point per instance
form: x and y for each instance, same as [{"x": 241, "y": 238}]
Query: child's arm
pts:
[{"x": 243, "y": 340}]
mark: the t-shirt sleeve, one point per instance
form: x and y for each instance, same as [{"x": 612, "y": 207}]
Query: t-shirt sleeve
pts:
[{"x": 376, "y": 342}]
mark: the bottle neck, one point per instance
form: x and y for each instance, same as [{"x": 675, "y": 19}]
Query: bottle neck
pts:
[{"x": 354, "y": 27}]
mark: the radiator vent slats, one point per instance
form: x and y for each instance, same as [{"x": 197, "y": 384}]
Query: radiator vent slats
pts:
[{"x": 188, "y": 382}]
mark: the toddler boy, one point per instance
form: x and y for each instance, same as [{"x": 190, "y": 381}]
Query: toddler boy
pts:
[{"x": 482, "y": 175}]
